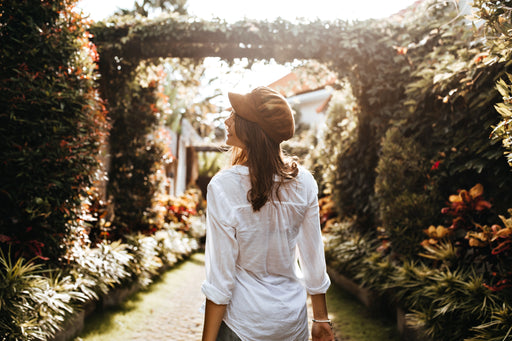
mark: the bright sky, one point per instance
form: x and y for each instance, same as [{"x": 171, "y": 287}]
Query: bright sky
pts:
[{"x": 232, "y": 10}]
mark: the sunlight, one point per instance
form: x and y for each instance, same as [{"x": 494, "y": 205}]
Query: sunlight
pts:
[{"x": 233, "y": 10}]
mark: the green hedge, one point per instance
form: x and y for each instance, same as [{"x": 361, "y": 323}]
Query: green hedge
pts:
[
  {"x": 435, "y": 86},
  {"x": 444, "y": 143},
  {"x": 136, "y": 104},
  {"x": 52, "y": 122}
]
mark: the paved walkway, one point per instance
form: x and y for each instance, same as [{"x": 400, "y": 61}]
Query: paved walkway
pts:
[{"x": 169, "y": 311}]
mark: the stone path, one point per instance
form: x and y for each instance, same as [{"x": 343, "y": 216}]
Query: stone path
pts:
[{"x": 169, "y": 311}]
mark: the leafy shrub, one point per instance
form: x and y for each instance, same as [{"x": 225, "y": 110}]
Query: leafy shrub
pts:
[
  {"x": 470, "y": 282},
  {"x": 460, "y": 290},
  {"x": 495, "y": 15},
  {"x": 135, "y": 157},
  {"x": 346, "y": 250},
  {"x": 473, "y": 238},
  {"x": 52, "y": 124},
  {"x": 145, "y": 263},
  {"x": 503, "y": 130},
  {"x": 448, "y": 110},
  {"x": 97, "y": 270},
  {"x": 405, "y": 205},
  {"x": 336, "y": 139},
  {"x": 169, "y": 248},
  {"x": 445, "y": 303},
  {"x": 33, "y": 303}
]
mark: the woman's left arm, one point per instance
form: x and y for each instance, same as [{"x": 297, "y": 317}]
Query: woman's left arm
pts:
[{"x": 212, "y": 319}]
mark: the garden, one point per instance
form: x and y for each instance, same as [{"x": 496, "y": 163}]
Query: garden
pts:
[{"x": 413, "y": 164}]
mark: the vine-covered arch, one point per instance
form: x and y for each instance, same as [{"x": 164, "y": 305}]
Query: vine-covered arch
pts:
[
  {"x": 359, "y": 52},
  {"x": 391, "y": 66},
  {"x": 282, "y": 40}
]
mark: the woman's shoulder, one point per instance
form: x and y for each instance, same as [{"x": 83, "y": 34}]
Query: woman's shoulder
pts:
[
  {"x": 229, "y": 175},
  {"x": 304, "y": 174}
]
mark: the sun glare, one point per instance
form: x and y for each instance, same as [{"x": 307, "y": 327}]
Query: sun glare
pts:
[
  {"x": 231, "y": 10},
  {"x": 234, "y": 10}
]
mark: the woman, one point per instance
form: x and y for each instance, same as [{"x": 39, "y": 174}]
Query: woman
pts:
[{"x": 261, "y": 211}]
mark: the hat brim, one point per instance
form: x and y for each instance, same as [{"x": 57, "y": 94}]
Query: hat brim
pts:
[{"x": 241, "y": 105}]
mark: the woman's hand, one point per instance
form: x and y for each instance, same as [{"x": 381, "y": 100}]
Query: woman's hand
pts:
[{"x": 322, "y": 331}]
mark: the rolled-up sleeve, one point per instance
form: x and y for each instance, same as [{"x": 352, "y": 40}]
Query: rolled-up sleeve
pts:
[
  {"x": 311, "y": 248},
  {"x": 221, "y": 250}
]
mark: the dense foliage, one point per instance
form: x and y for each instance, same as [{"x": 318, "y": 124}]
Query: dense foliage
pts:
[
  {"x": 438, "y": 96},
  {"x": 503, "y": 130},
  {"x": 135, "y": 106},
  {"x": 35, "y": 303},
  {"x": 404, "y": 204},
  {"x": 52, "y": 123},
  {"x": 410, "y": 131},
  {"x": 448, "y": 266},
  {"x": 497, "y": 17}
]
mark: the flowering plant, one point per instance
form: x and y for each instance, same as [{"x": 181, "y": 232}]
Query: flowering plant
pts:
[
  {"x": 180, "y": 212},
  {"x": 327, "y": 211},
  {"x": 488, "y": 246},
  {"x": 464, "y": 204}
]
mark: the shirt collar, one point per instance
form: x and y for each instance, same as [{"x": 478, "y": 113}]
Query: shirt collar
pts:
[
  {"x": 240, "y": 169},
  {"x": 244, "y": 170}
]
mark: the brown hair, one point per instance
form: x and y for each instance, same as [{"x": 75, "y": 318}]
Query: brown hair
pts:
[{"x": 265, "y": 159}]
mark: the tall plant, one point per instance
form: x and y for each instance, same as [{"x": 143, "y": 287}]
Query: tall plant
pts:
[
  {"x": 405, "y": 206},
  {"x": 136, "y": 102},
  {"x": 496, "y": 16},
  {"x": 503, "y": 131},
  {"x": 52, "y": 123}
]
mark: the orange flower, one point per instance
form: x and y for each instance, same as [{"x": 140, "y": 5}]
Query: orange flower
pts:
[
  {"x": 500, "y": 232},
  {"x": 480, "y": 239},
  {"x": 438, "y": 232}
]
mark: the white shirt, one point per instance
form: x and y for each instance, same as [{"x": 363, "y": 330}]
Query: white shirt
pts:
[{"x": 251, "y": 257}]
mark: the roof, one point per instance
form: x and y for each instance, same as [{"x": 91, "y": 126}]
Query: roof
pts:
[{"x": 303, "y": 80}]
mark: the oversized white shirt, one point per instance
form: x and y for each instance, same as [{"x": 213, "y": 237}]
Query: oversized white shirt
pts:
[{"x": 251, "y": 257}]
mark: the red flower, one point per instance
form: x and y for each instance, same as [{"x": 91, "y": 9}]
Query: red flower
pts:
[
  {"x": 503, "y": 284},
  {"x": 503, "y": 246},
  {"x": 385, "y": 245},
  {"x": 435, "y": 165}
]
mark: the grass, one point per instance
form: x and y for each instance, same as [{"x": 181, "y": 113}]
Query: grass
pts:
[{"x": 353, "y": 321}]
